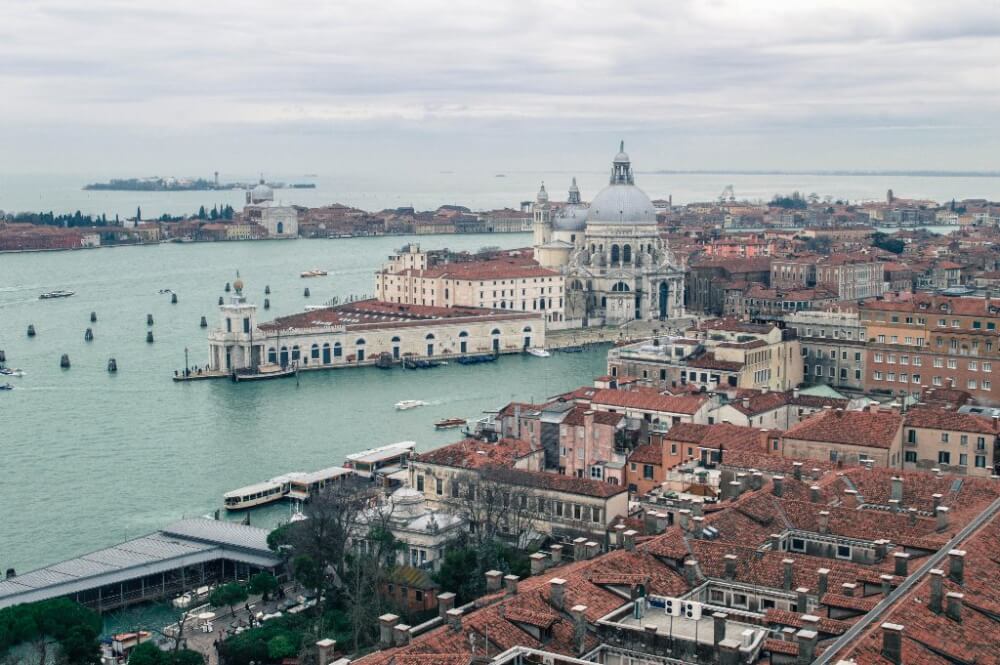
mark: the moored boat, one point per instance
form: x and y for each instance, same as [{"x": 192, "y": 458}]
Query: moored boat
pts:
[
  {"x": 539, "y": 352},
  {"x": 450, "y": 423},
  {"x": 6, "y": 386},
  {"x": 11, "y": 372},
  {"x": 259, "y": 494},
  {"x": 572, "y": 349},
  {"x": 264, "y": 373},
  {"x": 406, "y": 404},
  {"x": 315, "y": 272}
]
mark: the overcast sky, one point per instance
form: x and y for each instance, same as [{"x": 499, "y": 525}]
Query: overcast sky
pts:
[{"x": 184, "y": 87}]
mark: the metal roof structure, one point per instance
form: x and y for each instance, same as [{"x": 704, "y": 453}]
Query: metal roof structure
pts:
[{"x": 183, "y": 543}]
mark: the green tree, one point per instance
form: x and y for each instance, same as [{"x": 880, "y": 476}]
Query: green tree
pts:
[
  {"x": 888, "y": 243},
  {"x": 148, "y": 653},
  {"x": 264, "y": 584},
  {"x": 281, "y": 646},
  {"x": 201, "y": 213},
  {"x": 228, "y": 595},
  {"x": 138, "y": 214}
]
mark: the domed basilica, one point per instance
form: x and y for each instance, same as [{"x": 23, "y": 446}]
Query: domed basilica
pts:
[{"x": 617, "y": 268}]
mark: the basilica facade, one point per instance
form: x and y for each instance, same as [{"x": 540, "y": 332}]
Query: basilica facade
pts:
[{"x": 617, "y": 268}]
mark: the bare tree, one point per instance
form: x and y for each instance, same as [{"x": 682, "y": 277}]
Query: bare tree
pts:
[{"x": 499, "y": 506}]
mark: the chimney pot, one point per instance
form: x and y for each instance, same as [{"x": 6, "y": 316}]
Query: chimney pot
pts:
[
  {"x": 954, "y": 610},
  {"x": 684, "y": 516},
  {"x": 729, "y": 652},
  {"x": 897, "y": 488},
  {"x": 386, "y": 623},
  {"x": 579, "y": 613},
  {"x": 779, "y": 485},
  {"x": 698, "y": 524},
  {"x": 956, "y": 566},
  {"x": 324, "y": 651},
  {"x": 446, "y": 601},
  {"x": 691, "y": 571},
  {"x": 824, "y": 580},
  {"x": 401, "y": 632},
  {"x": 892, "y": 642},
  {"x": 942, "y": 517},
  {"x": 886, "y": 584},
  {"x": 557, "y": 592},
  {"x": 493, "y": 578},
  {"x": 510, "y": 584},
  {"x": 619, "y": 530},
  {"x": 537, "y": 563},
  {"x": 789, "y": 573},
  {"x": 730, "y": 566},
  {"x": 807, "y": 646},
  {"x": 801, "y": 600},
  {"x": 814, "y": 493},
  {"x": 937, "y": 591},
  {"x": 847, "y": 588},
  {"x": 455, "y": 619},
  {"x": 556, "y": 553},
  {"x": 902, "y": 563}
]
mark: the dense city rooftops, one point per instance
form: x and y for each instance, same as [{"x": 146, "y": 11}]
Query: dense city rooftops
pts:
[
  {"x": 871, "y": 428},
  {"x": 475, "y": 453}
]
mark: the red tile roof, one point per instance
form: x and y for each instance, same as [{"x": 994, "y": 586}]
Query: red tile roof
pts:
[
  {"x": 649, "y": 400},
  {"x": 720, "y": 435},
  {"x": 474, "y": 454},
  {"x": 944, "y": 419},
  {"x": 874, "y": 429},
  {"x": 647, "y": 453}
]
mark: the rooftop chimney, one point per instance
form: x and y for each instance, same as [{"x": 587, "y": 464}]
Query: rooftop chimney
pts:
[
  {"x": 956, "y": 566},
  {"x": 937, "y": 591},
  {"x": 847, "y": 589},
  {"x": 324, "y": 651},
  {"x": 691, "y": 571},
  {"x": 892, "y": 643},
  {"x": 446, "y": 601},
  {"x": 886, "y": 584},
  {"x": 814, "y": 493},
  {"x": 619, "y": 530},
  {"x": 493, "y": 578},
  {"x": 386, "y": 622},
  {"x": 942, "y": 517},
  {"x": 824, "y": 521},
  {"x": 824, "y": 580},
  {"x": 912, "y": 514},
  {"x": 718, "y": 627},
  {"x": 902, "y": 563},
  {"x": 537, "y": 563},
  {"x": 779, "y": 485},
  {"x": 816, "y": 473},
  {"x": 556, "y": 553},
  {"x": 789, "y": 573},
  {"x": 455, "y": 619},
  {"x": 697, "y": 526},
  {"x": 756, "y": 480},
  {"x": 897, "y": 488},
  {"x": 401, "y": 632},
  {"x": 630, "y": 539},
  {"x": 797, "y": 470},
  {"x": 579, "y": 628},
  {"x": 730, "y": 566},
  {"x": 684, "y": 517},
  {"x": 510, "y": 584},
  {"x": 557, "y": 591},
  {"x": 954, "y": 610},
  {"x": 937, "y": 500},
  {"x": 807, "y": 646},
  {"x": 775, "y": 542},
  {"x": 801, "y": 599},
  {"x": 729, "y": 652}
]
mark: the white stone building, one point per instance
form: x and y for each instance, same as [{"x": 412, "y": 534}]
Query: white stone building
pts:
[
  {"x": 617, "y": 267},
  {"x": 280, "y": 221}
]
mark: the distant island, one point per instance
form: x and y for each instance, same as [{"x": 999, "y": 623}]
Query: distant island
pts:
[{"x": 158, "y": 184}]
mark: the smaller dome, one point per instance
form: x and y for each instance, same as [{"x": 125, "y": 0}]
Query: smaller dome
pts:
[
  {"x": 543, "y": 196},
  {"x": 622, "y": 156},
  {"x": 238, "y": 284},
  {"x": 571, "y": 218},
  {"x": 262, "y": 192}
]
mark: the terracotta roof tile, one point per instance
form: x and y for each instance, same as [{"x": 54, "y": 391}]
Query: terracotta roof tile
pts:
[
  {"x": 874, "y": 429},
  {"x": 649, "y": 400}
]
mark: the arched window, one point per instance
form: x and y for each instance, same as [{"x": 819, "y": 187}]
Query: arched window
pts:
[
  {"x": 395, "y": 340},
  {"x": 337, "y": 350},
  {"x": 283, "y": 356},
  {"x": 526, "y": 329},
  {"x": 615, "y": 253},
  {"x": 281, "y": 228},
  {"x": 464, "y": 333},
  {"x": 577, "y": 285},
  {"x": 326, "y": 353},
  {"x": 429, "y": 336},
  {"x": 360, "y": 342},
  {"x": 627, "y": 253},
  {"x": 619, "y": 287},
  {"x": 496, "y": 331},
  {"x": 295, "y": 352},
  {"x": 314, "y": 352},
  {"x": 463, "y": 342},
  {"x": 272, "y": 355}
]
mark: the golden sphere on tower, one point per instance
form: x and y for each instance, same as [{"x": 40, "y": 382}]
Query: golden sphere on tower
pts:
[{"x": 238, "y": 284}]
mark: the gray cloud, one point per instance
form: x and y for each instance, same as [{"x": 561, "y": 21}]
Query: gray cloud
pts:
[{"x": 211, "y": 73}]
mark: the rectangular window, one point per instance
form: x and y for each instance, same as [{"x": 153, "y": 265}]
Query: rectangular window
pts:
[
  {"x": 944, "y": 457},
  {"x": 843, "y": 552},
  {"x": 980, "y": 461},
  {"x": 716, "y": 597},
  {"x": 963, "y": 459},
  {"x": 937, "y": 380},
  {"x": 559, "y": 508},
  {"x": 438, "y": 486},
  {"x": 420, "y": 483},
  {"x": 910, "y": 456},
  {"x": 973, "y": 366},
  {"x": 987, "y": 366},
  {"x": 938, "y": 362},
  {"x": 972, "y": 384},
  {"x": 454, "y": 489},
  {"x": 595, "y": 515},
  {"x": 797, "y": 545},
  {"x": 577, "y": 511},
  {"x": 952, "y": 363},
  {"x": 944, "y": 437},
  {"x": 647, "y": 471},
  {"x": 963, "y": 439}
]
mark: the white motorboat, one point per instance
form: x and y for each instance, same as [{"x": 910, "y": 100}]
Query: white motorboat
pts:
[
  {"x": 409, "y": 404},
  {"x": 315, "y": 272},
  {"x": 539, "y": 352},
  {"x": 11, "y": 372},
  {"x": 56, "y": 294}
]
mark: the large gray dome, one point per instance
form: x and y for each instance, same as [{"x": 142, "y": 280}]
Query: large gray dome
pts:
[{"x": 621, "y": 204}]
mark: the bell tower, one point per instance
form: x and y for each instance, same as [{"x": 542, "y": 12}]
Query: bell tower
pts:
[{"x": 543, "y": 218}]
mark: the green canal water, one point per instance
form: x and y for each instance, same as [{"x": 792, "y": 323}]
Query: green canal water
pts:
[{"x": 90, "y": 458}]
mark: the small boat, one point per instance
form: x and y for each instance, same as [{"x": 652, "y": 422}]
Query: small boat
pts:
[
  {"x": 264, "y": 373},
  {"x": 6, "y": 386},
  {"x": 572, "y": 349},
  {"x": 409, "y": 404},
  {"x": 419, "y": 363},
  {"x": 315, "y": 272},
  {"x": 475, "y": 360},
  {"x": 11, "y": 372},
  {"x": 384, "y": 361},
  {"x": 539, "y": 352},
  {"x": 450, "y": 423},
  {"x": 56, "y": 294}
]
